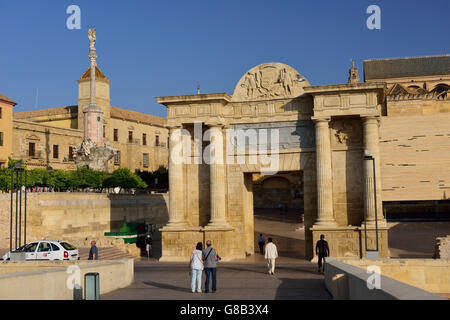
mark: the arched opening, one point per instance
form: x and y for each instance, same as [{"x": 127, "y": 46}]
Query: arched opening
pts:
[
  {"x": 442, "y": 90},
  {"x": 278, "y": 212}
]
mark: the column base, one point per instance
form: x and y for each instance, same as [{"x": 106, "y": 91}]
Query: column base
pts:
[
  {"x": 174, "y": 227},
  {"x": 326, "y": 223},
  {"x": 218, "y": 226},
  {"x": 371, "y": 224}
]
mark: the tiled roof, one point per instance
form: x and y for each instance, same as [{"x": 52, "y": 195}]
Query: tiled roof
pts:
[
  {"x": 406, "y": 67},
  {"x": 115, "y": 112},
  {"x": 46, "y": 112},
  {"x": 98, "y": 74},
  {"x": 5, "y": 98},
  {"x": 120, "y": 113}
]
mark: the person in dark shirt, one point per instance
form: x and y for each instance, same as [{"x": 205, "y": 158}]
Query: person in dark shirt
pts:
[
  {"x": 93, "y": 251},
  {"x": 261, "y": 242},
  {"x": 322, "y": 251}
]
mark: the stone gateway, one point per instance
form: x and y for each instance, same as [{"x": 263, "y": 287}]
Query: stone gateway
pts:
[{"x": 323, "y": 133}]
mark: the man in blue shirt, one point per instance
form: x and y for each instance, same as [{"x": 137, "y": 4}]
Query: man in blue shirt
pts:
[{"x": 93, "y": 251}]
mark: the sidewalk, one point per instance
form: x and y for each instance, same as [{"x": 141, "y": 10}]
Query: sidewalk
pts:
[{"x": 294, "y": 280}]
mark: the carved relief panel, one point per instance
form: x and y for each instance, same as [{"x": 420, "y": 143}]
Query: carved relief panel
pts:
[{"x": 346, "y": 132}]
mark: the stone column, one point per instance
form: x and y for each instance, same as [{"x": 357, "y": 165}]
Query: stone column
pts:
[
  {"x": 324, "y": 174},
  {"x": 176, "y": 180},
  {"x": 371, "y": 140},
  {"x": 217, "y": 177}
]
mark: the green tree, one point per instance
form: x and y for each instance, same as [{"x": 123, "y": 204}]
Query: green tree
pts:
[
  {"x": 38, "y": 178},
  {"x": 61, "y": 180},
  {"x": 124, "y": 179}
]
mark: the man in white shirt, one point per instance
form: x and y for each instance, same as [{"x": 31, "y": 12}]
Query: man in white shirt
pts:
[{"x": 271, "y": 254}]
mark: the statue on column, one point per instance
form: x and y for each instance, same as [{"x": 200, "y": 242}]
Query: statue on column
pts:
[
  {"x": 92, "y": 38},
  {"x": 93, "y": 152}
]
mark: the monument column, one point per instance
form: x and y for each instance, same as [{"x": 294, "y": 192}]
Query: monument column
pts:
[
  {"x": 371, "y": 140},
  {"x": 324, "y": 174},
  {"x": 176, "y": 181},
  {"x": 217, "y": 177}
]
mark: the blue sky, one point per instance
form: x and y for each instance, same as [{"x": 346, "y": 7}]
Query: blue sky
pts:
[{"x": 157, "y": 48}]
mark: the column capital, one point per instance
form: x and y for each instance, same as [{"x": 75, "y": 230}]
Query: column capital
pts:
[
  {"x": 217, "y": 125},
  {"x": 371, "y": 118},
  {"x": 321, "y": 119},
  {"x": 172, "y": 127}
]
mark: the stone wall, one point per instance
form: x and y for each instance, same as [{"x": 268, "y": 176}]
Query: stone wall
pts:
[
  {"x": 442, "y": 250},
  {"x": 427, "y": 274},
  {"x": 400, "y": 279},
  {"x": 77, "y": 216},
  {"x": 414, "y": 151},
  {"x": 47, "y": 280}
]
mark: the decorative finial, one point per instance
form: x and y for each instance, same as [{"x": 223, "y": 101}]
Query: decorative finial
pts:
[
  {"x": 198, "y": 87},
  {"x": 353, "y": 73}
]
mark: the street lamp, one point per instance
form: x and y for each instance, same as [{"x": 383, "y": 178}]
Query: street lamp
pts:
[{"x": 371, "y": 254}]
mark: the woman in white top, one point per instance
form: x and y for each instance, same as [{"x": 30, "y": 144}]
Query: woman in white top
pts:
[{"x": 196, "y": 266}]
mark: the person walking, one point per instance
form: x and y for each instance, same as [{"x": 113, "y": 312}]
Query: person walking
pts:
[
  {"x": 261, "y": 243},
  {"x": 210, "y": 257},
  {"x": 322, "y": 251},
  {"x": 271, "y": 254},
  {"x": 148, "y": 245},
  {"x": 196, "y": 266},
  {"x": 94, "y": 251}
]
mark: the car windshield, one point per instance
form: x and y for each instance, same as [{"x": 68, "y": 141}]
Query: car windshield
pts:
[
  {"x": 20, "y": 249},
  {"x": 67, "y": 246},
  {"x": 31, "y": 247}
]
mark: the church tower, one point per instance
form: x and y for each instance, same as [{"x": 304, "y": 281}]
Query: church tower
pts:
[{"x": 353, "y": 76}]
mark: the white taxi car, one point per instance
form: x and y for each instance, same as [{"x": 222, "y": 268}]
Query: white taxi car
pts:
[{"x": 47, "y": 250}]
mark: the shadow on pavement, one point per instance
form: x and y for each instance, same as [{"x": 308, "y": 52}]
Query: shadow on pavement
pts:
[
  {"x": 166, "y": 286},
  {"x": 301, "y": 289}
]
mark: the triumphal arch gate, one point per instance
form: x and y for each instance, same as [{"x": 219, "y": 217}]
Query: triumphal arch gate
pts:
[{"x": 275, "y": 122}]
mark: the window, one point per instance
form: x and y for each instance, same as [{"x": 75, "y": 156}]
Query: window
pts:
[
  {"x": 144, "y": 139},
  {"x": 130, "y": 136},
  {"x": 54, "y": 247},
  {"x": 31, "y": 247},
  {"x": 0, "y": 113},
  {"x": 31, "y": 149},
  {"x": 44, "y": 247},
  {"x": 70, "y": 153},
  {"x": 2, "y": 165},
  {"x": 55, "y": 151},
  {"x": 157, "y": 141},
  {"x": 104, "y": 134},
  {"x": 117, "y": 158},
  {"x": 116, "y": 135},
  {"x": 145, "y": 160},
  {"x": 1, "y": 139},
  {"x": 67, "y": 246}
]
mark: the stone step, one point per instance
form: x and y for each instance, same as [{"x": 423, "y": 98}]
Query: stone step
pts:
[{"x": 111, "y": 253}]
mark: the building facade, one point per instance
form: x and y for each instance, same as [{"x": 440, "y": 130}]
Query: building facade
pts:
[
  {"x": 353, "y": 145},
  {"x": 6, "y": 141},
  {"x": 46, "y": 138}
]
